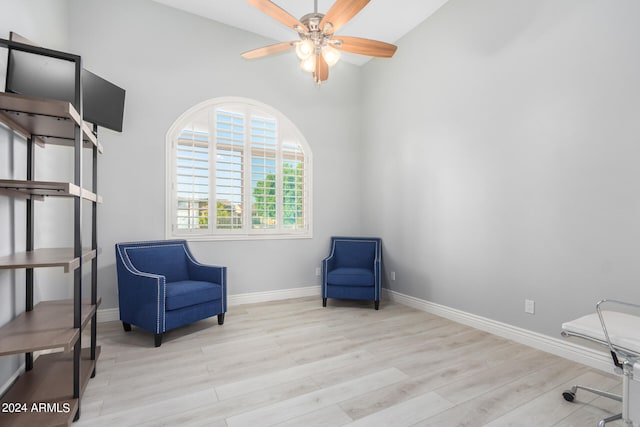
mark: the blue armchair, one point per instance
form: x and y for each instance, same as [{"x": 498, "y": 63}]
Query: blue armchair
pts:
[
  {"x": 352, "y": 269},
  {"x": 161, "y": 287}
]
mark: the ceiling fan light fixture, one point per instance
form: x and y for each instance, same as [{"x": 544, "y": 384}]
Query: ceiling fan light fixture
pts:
[
  {"x": 305, "y": 49},
  {"x": 308, "y": 64},
  {"x": 317, "y": 48},
  {"x": 331, "y": 55}
]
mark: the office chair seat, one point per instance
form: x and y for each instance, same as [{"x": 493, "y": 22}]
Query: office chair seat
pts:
[
  {"x": 619, "y": 331},
  {"x": 623, "y": 329}
]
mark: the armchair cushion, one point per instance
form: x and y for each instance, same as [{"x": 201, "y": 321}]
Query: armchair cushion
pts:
[
  {"x": 351, "y": 277},
  {"x": 186, "y": 293}
]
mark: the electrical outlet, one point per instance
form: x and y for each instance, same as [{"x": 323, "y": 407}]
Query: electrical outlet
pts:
[
  {"x": 529, "y": 306},
  {"x": 318, "y": 271},
  {"x": 393, "y": 275}
]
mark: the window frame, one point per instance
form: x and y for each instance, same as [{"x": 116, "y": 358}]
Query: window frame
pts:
[{"x": 287, "y": 132}]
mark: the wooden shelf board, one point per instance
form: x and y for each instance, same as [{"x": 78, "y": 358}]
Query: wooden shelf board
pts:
[
  {"x": 50, "y": 381},
  {"x": 48, "y": 326},
  {"x": 47, "y": 257},
  {"x": 38, "y": 106},
  {"x": 19, "y": 194},
  {"x": 41, "y": 117},
  {"x": 43, "y": 140},
  {"x": 26, "y": 189}
]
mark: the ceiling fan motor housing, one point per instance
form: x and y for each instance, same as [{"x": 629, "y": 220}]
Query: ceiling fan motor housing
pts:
[
  {"x": 313, "y": 32},
  {"x": 312, "y": 21}
]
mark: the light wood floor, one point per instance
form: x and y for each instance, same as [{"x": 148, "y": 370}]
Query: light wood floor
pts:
[{"x": 295, "y": 363}]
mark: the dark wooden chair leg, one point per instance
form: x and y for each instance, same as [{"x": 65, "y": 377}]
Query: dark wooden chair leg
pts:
[
  {"x": 324, "y": 302},
  {"x": 126, "y": 326},
  {"x": 221, "y": 319},
  {"x": 376, "y": 304},
  {"x": 157, "y": 339}
]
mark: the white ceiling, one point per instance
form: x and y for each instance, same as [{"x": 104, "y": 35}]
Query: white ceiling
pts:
[{"x": 383, "y": 20}]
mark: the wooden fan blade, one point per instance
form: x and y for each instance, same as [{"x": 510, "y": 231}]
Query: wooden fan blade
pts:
[
  {"x": 277, "y": 13},
  {"x": 341, "y": 12},
  {"x": 365, "y": 46},
  {"x": 268, "y": 50},
  {"x": 322, "y": 70}
]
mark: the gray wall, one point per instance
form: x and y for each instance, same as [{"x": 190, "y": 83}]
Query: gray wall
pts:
[
  {"x": 168, "y": 61},
  {"x": 496, "y": 157},
  {"x": 501, "y": 159},
  {"x": 45, "y": 22}
]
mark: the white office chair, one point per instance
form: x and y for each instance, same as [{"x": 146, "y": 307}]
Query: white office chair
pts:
[{"x": 618, "y": 329}]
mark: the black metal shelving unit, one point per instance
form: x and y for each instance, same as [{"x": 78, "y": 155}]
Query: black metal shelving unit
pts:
[{"x": 58, "y": 378}]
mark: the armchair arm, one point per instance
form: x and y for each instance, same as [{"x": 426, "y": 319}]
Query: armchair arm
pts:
[
  {"x": 210, "y": 273},
  {"x": 207, "y": 273},
  {"x": 141, "y": 296},
  {"x": 328, "y": 264},
  {"x": 377, "y": 273}
]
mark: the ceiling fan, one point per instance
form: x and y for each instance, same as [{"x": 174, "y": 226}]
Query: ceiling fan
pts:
[{"x": 318, "y": 47}]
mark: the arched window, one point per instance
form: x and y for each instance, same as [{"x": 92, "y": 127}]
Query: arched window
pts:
[{"x": 237, "y": 168}]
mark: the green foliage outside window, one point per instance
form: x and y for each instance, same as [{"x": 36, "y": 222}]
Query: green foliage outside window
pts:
[{"x": 264, "y": 198}]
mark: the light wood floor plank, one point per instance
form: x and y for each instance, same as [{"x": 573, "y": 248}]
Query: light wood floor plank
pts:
[
  {"x": 310, "y": 402},
  {"x": 330, "y": 415},
  {"x": 455, "y": 373},
  {"x": 294, "y": 363},
  {"x": 259, "y": 382},
  {"x": 485, "y": 408},
  {"x": 405, "y": 413}
]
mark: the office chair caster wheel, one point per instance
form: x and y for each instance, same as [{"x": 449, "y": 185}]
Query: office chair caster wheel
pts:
[{"x": 569, "y": 395}]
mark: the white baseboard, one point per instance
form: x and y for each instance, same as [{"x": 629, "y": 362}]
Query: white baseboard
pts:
[
  {"x": 587, "y": 356},
  {"x": 108, "y": 315},
  {"x": 5, "y": 387},
  {"x": 255, "y": 297}
]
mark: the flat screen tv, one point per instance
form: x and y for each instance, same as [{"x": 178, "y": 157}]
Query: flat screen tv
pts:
[{"x": 43, "y": 77}]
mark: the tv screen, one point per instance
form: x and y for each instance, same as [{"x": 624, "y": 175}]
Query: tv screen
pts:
[
  {"x": 43, "y": 77},
  {"x": 103, "y": 102}
]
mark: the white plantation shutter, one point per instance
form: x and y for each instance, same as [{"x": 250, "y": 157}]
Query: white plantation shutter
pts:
[
  {"x": 293, "y": 186},
  {"x": 192, "y": 179},
  {"x": 239, "y": 169},
  {"x": 263, "y": 139},
  {"x": 230, "y": 135}
]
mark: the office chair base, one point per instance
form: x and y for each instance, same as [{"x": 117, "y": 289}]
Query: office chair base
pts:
[
  {"x": 570, "y": 395},
  {"x": 611, "y": 418}
]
